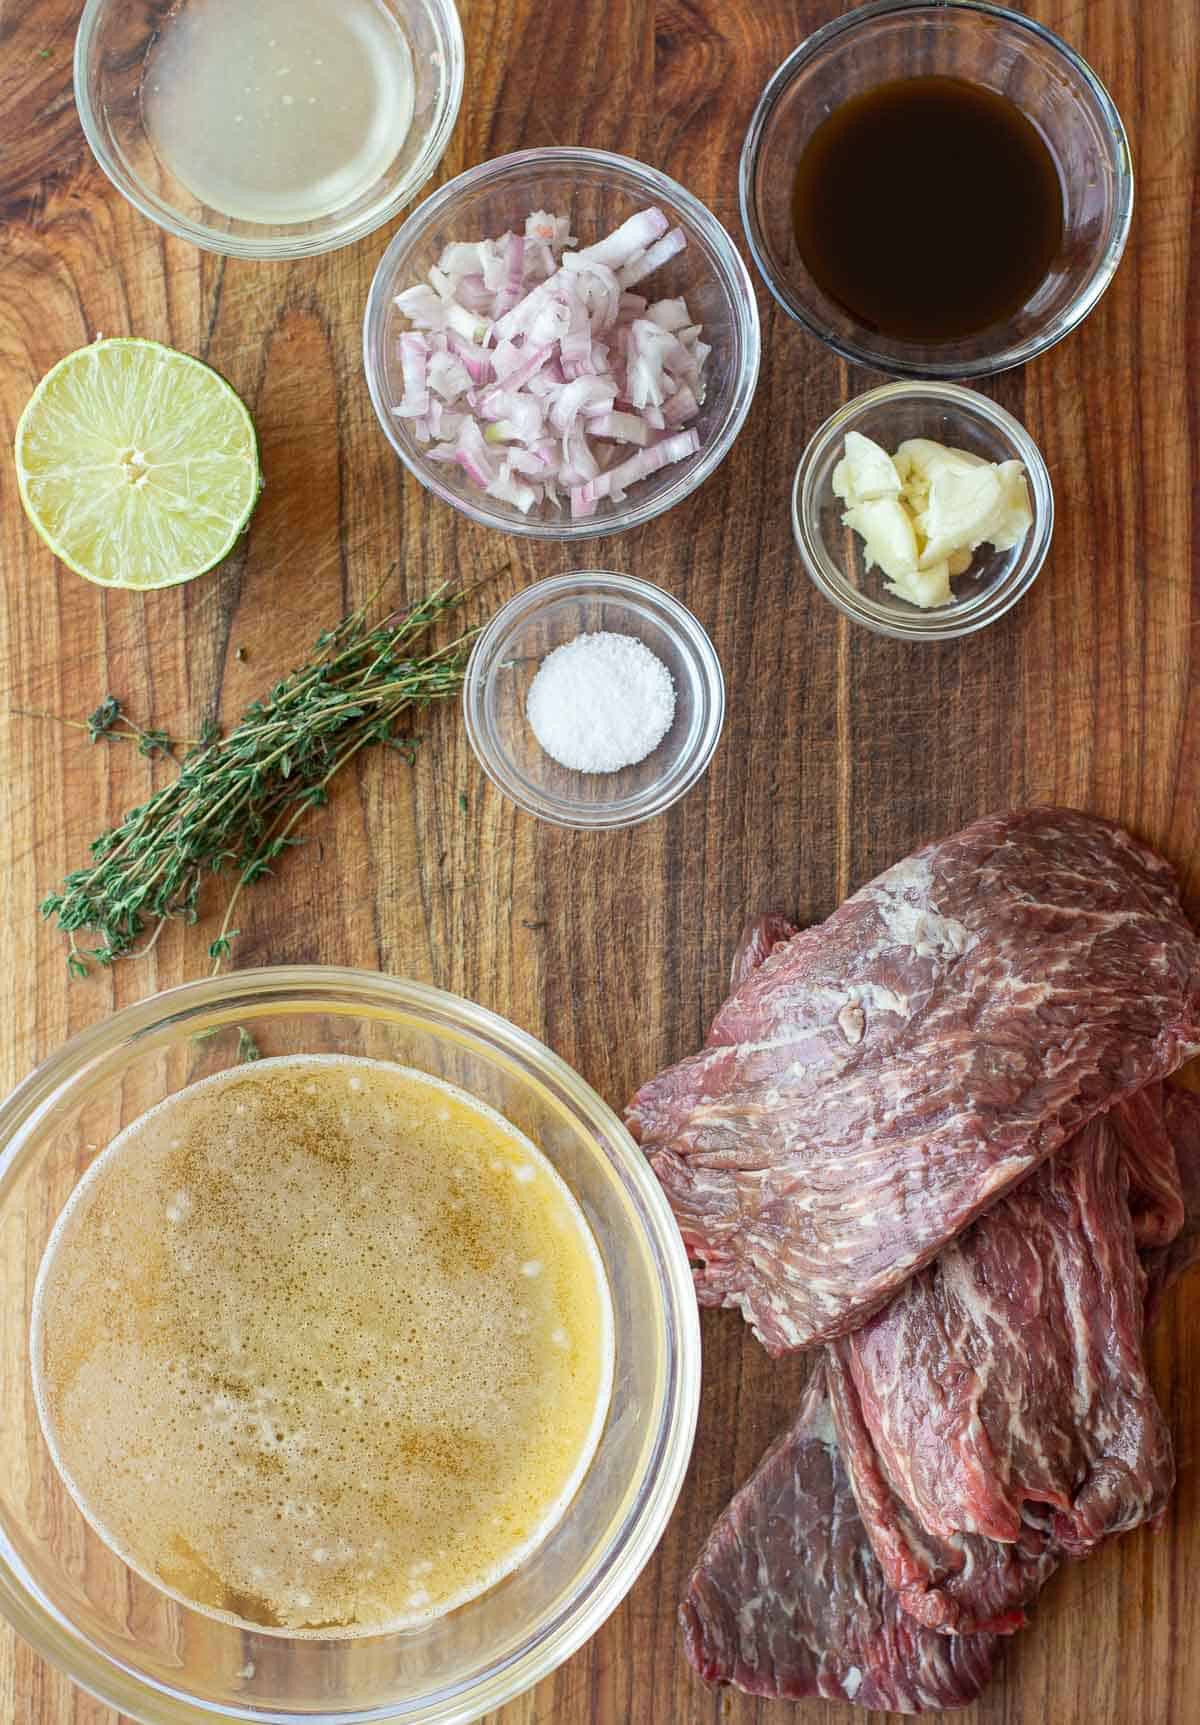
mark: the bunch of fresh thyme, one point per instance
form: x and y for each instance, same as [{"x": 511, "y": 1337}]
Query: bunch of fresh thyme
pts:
[{"x": 238, "y": 798}]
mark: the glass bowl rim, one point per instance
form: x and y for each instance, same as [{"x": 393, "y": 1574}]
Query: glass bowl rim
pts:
[
  {"x": 731, "y": 273},
  {"x": 925, "y": 626},
  {"x": 281, "y": 247},
  {"x": 635, "y": 1536},
  {"x": 1086, "y": 297},
  {"x": 693, "y": 642}
]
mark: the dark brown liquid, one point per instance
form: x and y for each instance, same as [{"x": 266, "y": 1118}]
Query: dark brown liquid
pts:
[{"x": 929, "y": 208}]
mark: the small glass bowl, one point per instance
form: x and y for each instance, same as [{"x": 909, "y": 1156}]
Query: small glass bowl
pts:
[
  {"x": 597, "y": 191},
  {"x": 154, "y": 1659},
  {"x": 113, "y": 40},
  {"x": 832, "y": 552},
  {"x": 506, "y": 657},
  {"x": 989, "y": 45}
]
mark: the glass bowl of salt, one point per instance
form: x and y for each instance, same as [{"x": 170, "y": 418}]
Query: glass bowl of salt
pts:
[{"x": 594, "y": 700}]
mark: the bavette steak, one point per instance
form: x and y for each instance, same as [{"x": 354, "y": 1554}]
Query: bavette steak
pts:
[
  {"x": 1166, "y": 1263},
  {"x": 879, "y": 1080},
  {"x": 958, "y": 1441},
  {"x": 787, "y": 1598},
  {"x": 1004, "y": 1393}
]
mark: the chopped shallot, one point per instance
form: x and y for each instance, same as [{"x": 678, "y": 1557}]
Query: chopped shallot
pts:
[{"x": 529, "y": 363}]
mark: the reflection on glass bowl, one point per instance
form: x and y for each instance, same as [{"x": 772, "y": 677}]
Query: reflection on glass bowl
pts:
[{"x": 156, "y": 1659}]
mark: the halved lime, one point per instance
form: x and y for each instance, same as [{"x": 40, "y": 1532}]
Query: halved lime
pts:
[{"x": 138, "y": 465}]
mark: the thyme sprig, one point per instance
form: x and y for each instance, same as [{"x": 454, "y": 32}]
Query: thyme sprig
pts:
[
  {"x": 237, "y": 800},
  {"x": 111, "y": 724}
]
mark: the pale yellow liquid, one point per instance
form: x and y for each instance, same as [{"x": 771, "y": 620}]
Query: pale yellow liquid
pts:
[
  {"x": 278, "y": 110},
  {"x": 322, "y": 1345}
]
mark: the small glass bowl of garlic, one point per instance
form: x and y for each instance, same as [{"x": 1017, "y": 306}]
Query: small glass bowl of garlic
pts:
[{"x": 923, "y": 510}]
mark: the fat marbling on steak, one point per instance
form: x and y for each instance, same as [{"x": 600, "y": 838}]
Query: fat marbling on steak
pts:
[
  {"x": 1011, "y": 1368},
  {"x": 1003, "y": 1392},
  {"x": 788, "y": 1600},
  {"x": 789, "y": 1596},
  {"x": 880, "y": 1079}
]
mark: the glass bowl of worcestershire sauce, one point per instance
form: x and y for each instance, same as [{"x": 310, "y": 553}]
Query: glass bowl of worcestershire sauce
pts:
[{"x": 936, "y": 190}]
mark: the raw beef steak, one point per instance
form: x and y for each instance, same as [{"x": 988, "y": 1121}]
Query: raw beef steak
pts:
[
  {"x": 760, "y": 937},
  {"x": 1005, "y": 1385},
  {"x": 1165, "y": 1264},
  {"x": 959, "y": 1585},
  {"x": 879, "y": 1080},
  {"x": 1156, "y": 1197},
  {"x": 788, "y": 1600}
]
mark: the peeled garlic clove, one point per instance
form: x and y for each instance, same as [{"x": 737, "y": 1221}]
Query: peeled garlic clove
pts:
[
  {"x": 925, "y": 457},
  {"x": 887, "y": 531},
  {"x": 909, "y": 460},
  {"x": 963, "y": 504},
  {"x": 865, "y": 472},
  {"x": 924, "y": 587},
  {"x": 949, "y": 503},
  {"x": 1014, "y": 517}
]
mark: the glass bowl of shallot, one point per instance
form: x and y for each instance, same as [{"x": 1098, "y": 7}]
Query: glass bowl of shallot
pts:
[
  {"x": 923, "y": 511},
  {"x": 594, "y": 700},
  {"x": 562, "y": 343}
]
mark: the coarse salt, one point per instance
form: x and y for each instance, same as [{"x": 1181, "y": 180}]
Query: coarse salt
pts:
[{"x": 601, "y": 702}]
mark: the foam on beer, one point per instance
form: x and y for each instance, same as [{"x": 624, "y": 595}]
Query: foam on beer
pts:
[{"x": 322, "y": 1345}]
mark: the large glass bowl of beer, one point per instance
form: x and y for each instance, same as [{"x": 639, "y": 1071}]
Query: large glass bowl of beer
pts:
[{"x": 349, "y": 1359}]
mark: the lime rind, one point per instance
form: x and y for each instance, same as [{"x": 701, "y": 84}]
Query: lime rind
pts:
[{"x": 137, "y": 465}]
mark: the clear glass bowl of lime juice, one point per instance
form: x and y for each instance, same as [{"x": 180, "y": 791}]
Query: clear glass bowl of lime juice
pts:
[{"x": 272, "y": 130}]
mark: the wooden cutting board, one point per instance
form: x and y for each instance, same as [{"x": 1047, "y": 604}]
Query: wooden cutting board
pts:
[{"x": 841, "y": 752}]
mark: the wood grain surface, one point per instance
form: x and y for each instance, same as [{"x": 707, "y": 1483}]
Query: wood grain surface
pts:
[{"x": 841, "y": 752}]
